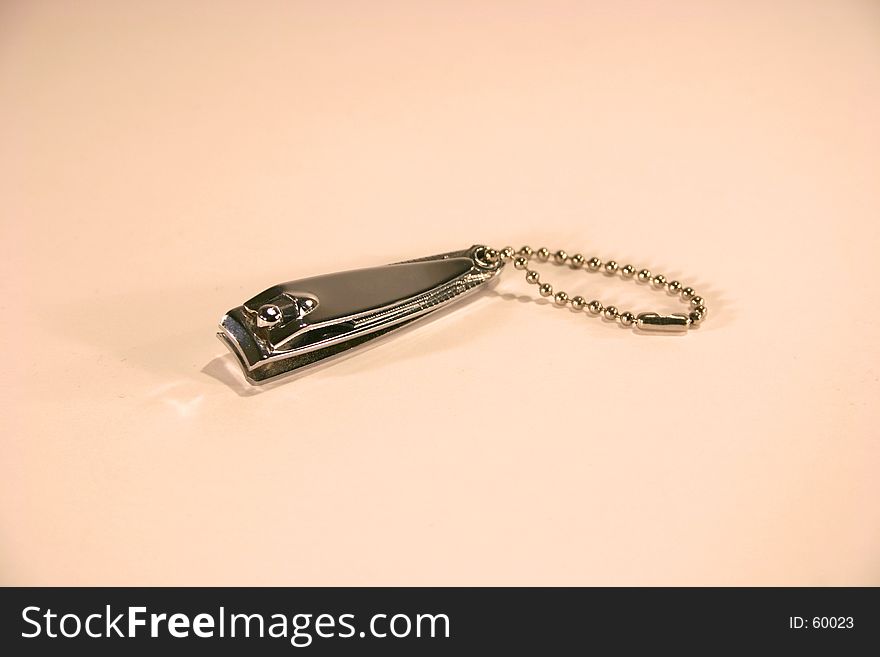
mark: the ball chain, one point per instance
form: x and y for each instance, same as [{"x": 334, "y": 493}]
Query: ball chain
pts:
[{"x": 525, "y": 255}]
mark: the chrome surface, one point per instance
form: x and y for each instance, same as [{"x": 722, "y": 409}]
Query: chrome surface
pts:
[{"x": 291, "y": 325}]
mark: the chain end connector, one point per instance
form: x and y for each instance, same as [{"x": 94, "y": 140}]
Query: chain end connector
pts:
[{"x": 672, "y": 323}]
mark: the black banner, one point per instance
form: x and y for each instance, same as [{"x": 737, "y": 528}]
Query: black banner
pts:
[{"x": 181, "y": 621}]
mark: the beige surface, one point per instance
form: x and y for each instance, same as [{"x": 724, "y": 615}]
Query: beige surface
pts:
[{"x": 163, "y": 161}]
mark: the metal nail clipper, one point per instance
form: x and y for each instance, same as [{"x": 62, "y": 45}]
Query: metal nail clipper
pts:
[{"x": 295, "y": 324}]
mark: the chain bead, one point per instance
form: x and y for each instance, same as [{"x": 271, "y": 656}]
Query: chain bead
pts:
[
  {"x": 596, "y": 307},
  {"x": 697, "y": 301},
  {"x": 533, "y": 277},
  {"x": 702, "y": 310},
  {"x": 695, "y": 317},
  {"x": 561, "y": 298},
  {"x": 688, "y": 293},
  {"x": 526, "y": 251},
  {"x": 594, "y": 263},
  {"x": 507, "y": 253},
  {"x": 545, "y": 290},
  {"x": 578, "y": 302},
  {"x": 577, "y": 261},
  {"x": 560, "y": 257},
  {"x": 673, "y": 287},
  {"x": 543, "y": 254},
  {"x": 627, "y": 319},
  {"x": 628, "y": 271},
  {"x": 521, "y": 262},
  {"x": 659, "y": 280},
  {"x": 611, "y": 312},
  {"x": 611, "y": 267},
  {"x": 645, "y": 275}
]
